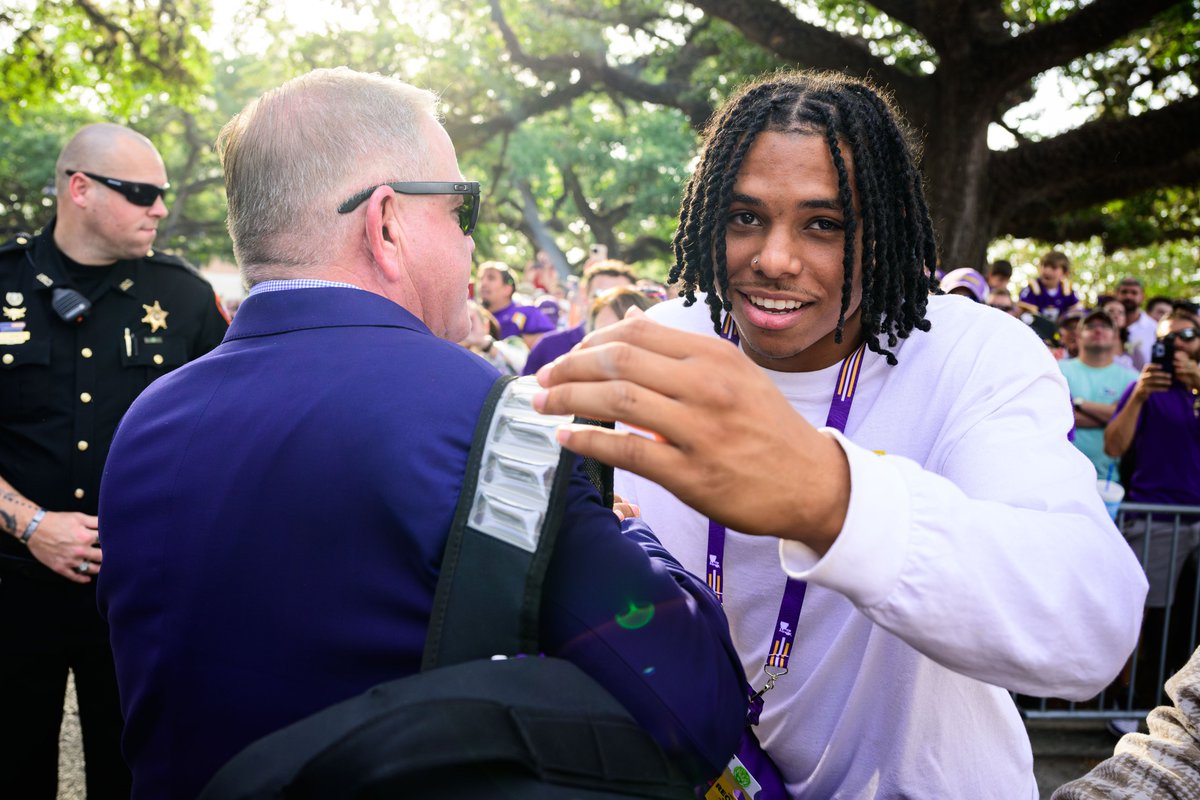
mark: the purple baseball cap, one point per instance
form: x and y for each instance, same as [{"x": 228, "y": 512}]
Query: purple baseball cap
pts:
[
  {"x": 550, "y": 307},
  {"x": 966, "y": 278}
]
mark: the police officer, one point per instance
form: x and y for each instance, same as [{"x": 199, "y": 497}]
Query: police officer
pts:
[{"x": 89, "y": 316}]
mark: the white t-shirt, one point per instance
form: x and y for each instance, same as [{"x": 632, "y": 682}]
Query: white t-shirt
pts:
[
  {"x": 976, "y": 555},
  {"x": 1142, "y": 334}
]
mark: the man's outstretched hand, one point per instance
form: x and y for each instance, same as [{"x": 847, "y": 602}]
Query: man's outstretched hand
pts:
[{"x": 723, "y": 439}]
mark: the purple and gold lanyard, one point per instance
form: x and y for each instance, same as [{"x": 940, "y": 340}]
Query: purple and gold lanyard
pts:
[{"x": 793, "y": 594}]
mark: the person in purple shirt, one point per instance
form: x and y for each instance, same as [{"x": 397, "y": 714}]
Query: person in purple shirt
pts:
[
  {"x": 597, "y": 279},
  {"x": 1158, "y": 418},
  {"x": 1050, "y": 294},
  {"x": 273, "y": 518},
  {"x": 496, "y": 287}
]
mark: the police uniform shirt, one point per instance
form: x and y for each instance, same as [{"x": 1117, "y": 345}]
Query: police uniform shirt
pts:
[{"x": 65, "y": 385}]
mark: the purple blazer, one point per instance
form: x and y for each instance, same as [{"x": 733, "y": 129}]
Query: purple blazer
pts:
[{"x": 273, "y": 517}]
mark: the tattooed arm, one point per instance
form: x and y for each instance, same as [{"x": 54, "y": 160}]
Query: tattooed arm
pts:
[{"x": 15, "y": 511}]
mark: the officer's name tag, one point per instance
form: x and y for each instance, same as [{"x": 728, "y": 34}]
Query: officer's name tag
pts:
[{"x": 13, "y": 333}]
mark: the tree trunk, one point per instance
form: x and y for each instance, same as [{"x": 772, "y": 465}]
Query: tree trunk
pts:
[
  {"x": 541, "y": 236},
  {"x": 955, "y": 164}
]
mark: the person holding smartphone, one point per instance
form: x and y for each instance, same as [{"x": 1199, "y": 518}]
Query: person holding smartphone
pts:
[
  {"x": 1159, "y": 415},
  {"x": 1158, "y": 419}
]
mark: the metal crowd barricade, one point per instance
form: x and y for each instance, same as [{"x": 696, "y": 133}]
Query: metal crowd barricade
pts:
[{"x": 1139, "y": 688}]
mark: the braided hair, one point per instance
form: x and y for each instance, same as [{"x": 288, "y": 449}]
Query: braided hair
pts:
[{"x": 899, "y": 253}]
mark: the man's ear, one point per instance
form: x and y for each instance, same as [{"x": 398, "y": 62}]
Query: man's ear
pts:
[
  {"x": 78, "y": 189},
  {"x": 385, "y": 232}
]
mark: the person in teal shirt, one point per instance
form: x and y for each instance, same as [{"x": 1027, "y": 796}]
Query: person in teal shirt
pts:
[{"x": 1096, "y": 384}]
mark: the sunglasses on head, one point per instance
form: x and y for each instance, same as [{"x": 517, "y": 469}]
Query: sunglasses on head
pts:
[
  {"x": 468, "y": 212},
  {"x": 140, "y": 194}
]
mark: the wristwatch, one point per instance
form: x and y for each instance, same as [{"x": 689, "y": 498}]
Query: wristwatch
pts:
[{"x": 1078, "y": 403}]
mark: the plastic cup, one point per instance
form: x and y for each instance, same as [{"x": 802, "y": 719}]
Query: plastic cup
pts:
[{"x": 1112, "y": 494}]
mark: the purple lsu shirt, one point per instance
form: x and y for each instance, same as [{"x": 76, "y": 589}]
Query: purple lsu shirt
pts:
[
  {"x": 1167, "y": 443},
  {"x": 1051, "y": 306},
  {"x": 516, "y": 320},
  {"x": 550, "y": 347}
]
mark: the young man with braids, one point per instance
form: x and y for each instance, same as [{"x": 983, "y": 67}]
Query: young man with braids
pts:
[{"x": 942, "y": 541}]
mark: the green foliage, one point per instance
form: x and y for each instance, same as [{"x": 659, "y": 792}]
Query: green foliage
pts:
[
  {"x": 27, "y": 167},
  {"x": 630, "y": 164},
  {"x": 1144, "y": 69},
  {"x": 1171, "y": 269},
  {"x": 113, "y": 58},
  {"x": 890, "y": 39},
  {"x": 146, "y": 64}
]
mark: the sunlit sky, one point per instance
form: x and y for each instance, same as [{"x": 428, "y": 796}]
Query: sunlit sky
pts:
[{"x": 1051, "y": 111}]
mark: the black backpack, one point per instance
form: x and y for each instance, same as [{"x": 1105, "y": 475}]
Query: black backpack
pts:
[{"x": 471, "y": 725}]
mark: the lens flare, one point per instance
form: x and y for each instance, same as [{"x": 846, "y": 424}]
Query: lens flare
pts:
[{"x": 636, "y": 617}]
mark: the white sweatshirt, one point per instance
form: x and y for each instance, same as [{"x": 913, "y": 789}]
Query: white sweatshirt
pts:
[{"x": 976, "y": 558}]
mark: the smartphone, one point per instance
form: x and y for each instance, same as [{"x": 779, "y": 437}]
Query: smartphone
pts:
[{"x": 1163, "y": 354}]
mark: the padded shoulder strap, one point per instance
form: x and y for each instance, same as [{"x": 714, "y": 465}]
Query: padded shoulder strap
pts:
[{"x": 489, "y": 593}]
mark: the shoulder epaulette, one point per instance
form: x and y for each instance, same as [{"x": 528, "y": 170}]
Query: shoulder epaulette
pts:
[
  {"x": 22, "y": 241},
  {"x": 159, "y": 257}
]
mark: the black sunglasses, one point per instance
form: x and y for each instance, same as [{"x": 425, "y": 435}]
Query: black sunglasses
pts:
[
  {"x": 468, "y": 212},
  {"x": 1185, "y": 334},
  {"x": 140, "y": 194}
]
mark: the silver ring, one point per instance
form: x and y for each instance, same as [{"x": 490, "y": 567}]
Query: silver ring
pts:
[{"x": 83, "y": 568}]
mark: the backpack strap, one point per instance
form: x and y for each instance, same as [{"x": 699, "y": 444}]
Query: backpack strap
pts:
[{"x": 500, "y": 543}]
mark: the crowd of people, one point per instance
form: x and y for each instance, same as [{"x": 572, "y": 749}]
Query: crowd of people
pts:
[
  {"x": 519, "y": 325},
  {"x": 1131, "y": 366},
  {"x": 850, "y": 509}
]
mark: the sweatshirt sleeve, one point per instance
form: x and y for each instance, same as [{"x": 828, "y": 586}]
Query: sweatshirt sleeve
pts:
[{"x": 997, "y": 559}]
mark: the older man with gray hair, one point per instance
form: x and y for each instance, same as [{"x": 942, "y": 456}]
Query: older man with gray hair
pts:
[{"x": 313, "y": 463}]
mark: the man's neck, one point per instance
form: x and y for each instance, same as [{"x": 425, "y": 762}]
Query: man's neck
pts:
[
  {"x": 72, "y": 242},
  {"x": 1132, "y": 316},
  {"x": 1097, "y": 360}
]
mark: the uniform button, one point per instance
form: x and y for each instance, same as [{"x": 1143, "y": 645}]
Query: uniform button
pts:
[
  {"x": 8, "y": 358},
  {"x": 79, "y": 494},
  {"x": 86, "y": 352},
  {"x": 21, "y": 240},
  {"x": 85, "y": 398},
  {"x": 158, "y": 359},
  {"x": 82, "y": 446}
]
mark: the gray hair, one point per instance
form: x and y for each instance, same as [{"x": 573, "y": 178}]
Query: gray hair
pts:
[{"x": 291, "y": 156}]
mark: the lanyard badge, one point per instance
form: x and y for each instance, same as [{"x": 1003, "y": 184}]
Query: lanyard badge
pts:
[{"x": 751, "y": 774}]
